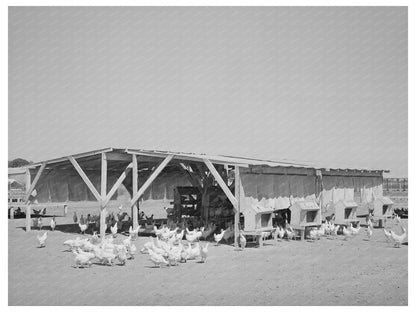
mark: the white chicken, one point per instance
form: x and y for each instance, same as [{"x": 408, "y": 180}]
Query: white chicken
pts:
[
  {"x": 347, "y": 232},
  {"x": 290, "y": 234},
  {"x": 334, "y": 230},
  {"x": 387, "y": 234},
  {"x": 313, "y": 234},
  {"x": 74, "y": 243},
  {"x": 195, "y": 252},
  {"x": 53, "y": 224},
  {"x": 127, "y": 241},
  {"x": 131, "y": 250},
  {"x": 218, "y": 237},
  {"x": 179, "y": 236},
  {"x": 354, "y": 230},
  {"x": 281, "y": 232},
  {"x": 42, "y": 239},
  {"x": 398, "y": 239},
  {"x": 157, "y": 259},
  {"x": 114, "y": 229},
  {"x": 134, "y": 233},
  {"x": 95, "y": 239},
  {"x": 192, "y": 237},
  {"x": 83, "y": 258},
  {"x": 83, "y": 227},
  {"x": 204, "y": 253}
]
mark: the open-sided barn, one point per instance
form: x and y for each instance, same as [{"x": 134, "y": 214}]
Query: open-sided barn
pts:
[{"x": 197, "y": 187}]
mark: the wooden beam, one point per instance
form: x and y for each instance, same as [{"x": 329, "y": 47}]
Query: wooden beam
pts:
[
  {"x": 221, "y": 182},
  {"x": 135, "y": 185},
  {"x": 152, "y": 177},
  {"x": 192, "y": 178},
  {"x": 118, "y": 183},
  {"x": 103, "y": 211},
  {"x": 237, "y": 189},
  {"x": 35, "y": 181},
  {"x": 85, "y": 178}
]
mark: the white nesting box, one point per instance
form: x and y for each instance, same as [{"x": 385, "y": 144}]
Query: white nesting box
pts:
[
  {"x": 305, "y": 213},
  {"x": 258, "y": 218},
  {"x": 382, "y": 207},
  {"x": 345, "y": 212}
]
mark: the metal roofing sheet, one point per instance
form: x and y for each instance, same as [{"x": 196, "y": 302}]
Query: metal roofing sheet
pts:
[{"x": 219, "y": 159}]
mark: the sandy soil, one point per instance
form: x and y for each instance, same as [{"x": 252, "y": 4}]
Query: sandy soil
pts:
[{"x": 326, "y": 272}]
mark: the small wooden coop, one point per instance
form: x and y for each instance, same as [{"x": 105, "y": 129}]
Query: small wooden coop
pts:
[
  {"x": 345, "y": 212},
  {"x": 305, "y": 213},
  {"x": 258, "y": 219},
  {"x": 382, "y": 207}
]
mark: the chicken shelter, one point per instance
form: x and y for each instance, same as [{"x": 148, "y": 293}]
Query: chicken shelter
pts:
[
  {"x": 382, "y": 208},
  {"x": 195, "y": 188}
]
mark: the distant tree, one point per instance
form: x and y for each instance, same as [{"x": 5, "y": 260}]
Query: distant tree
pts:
[{"x": 19, "y": 162}]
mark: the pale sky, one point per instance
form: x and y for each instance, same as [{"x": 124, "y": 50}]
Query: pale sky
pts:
[{"x": 324, "y": 85}]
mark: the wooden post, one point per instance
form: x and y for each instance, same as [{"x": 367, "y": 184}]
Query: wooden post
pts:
[
  {"x": 135, "y": 185},
  {"x": 237, "y": 212},
  {"x": 103, "y": 212},
  {"x": 28, "y": 220},
  {"x": 12, "y": 213}
]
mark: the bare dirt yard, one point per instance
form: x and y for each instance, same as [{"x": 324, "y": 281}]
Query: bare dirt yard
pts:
[{"x": 325, "y": 272}]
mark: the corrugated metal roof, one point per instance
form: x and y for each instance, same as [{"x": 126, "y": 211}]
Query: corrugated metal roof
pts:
[{"x": 218, "y": 159}]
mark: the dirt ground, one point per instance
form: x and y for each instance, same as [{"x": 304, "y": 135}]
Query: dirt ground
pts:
[{"x": 325, "y": 272}]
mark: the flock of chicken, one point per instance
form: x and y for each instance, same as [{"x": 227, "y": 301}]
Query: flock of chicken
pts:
[
  {"x": 330, "y": 229},
  {"x": 168, "y": 249}
]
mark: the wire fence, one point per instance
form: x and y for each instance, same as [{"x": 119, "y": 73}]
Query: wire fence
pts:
[{"x": 395, "y": 184}]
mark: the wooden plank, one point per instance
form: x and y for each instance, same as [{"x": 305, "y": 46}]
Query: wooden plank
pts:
[
  {"x": 237, "y": 212},
  {"x": 85, "y": 178},
  {"x": 135, "y": 185},
  {"x": 103, "y": 211},
  {"x": 152, "y": 177},
  {"x": 35, "y": 181},
  {"x": 118, "y": 183},
  {"x": 221, "y": 182},
  {"x": 28, "y": 220}
]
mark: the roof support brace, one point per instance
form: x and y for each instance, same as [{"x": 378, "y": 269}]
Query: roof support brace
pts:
[
  {"x": 150, "y": 180},
  {"x": 221, "y": 182},
  {"x": 85, "y": 178},
  {"x": 118, "y": 183}
]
